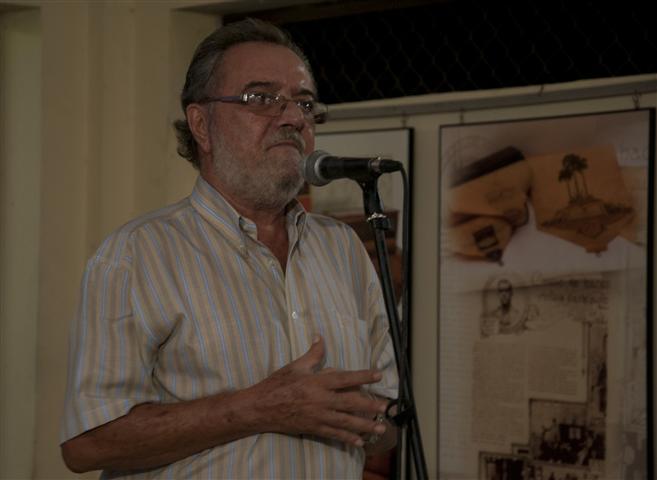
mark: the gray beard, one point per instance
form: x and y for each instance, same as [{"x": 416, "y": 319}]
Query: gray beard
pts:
[{"x": 266, "y": 187}]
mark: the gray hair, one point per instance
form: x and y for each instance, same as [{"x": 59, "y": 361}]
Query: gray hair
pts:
[{"x": 207, "y": 61}]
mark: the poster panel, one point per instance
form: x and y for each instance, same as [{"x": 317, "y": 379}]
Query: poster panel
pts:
[{"x": 544, "y": 279}]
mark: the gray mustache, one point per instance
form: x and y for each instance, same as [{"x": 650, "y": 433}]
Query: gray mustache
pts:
[{"x": 289, "y": 134}]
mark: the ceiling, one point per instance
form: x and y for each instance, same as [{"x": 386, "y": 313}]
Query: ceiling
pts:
[{"x": 279, "y": 11}]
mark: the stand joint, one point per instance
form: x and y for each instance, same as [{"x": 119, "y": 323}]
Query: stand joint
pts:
[{"x": 379, "y": 221}]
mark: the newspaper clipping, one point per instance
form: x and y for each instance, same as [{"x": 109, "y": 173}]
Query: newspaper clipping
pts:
[{"x": 543, "y": 283}]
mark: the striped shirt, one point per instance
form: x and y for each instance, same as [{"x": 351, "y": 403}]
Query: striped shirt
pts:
[{"x": 185, "y": 302}]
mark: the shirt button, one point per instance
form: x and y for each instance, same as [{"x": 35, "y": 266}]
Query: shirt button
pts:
[{"x": 295, "y": 315}]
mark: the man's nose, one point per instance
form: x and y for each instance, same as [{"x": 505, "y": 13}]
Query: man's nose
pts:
[{"x": 292, "y": 114}]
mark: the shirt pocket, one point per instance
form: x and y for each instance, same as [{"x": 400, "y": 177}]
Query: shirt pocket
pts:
[{"x": 347, "y": 342}]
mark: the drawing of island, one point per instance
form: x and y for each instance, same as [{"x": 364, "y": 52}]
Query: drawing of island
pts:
[{"x": 584, "y": 213}]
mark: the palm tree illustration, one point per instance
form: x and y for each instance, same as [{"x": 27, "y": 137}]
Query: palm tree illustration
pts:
[
  {"x": 576, "y": 165},
  {"x": 565, "y": 174},
  {"x": 573, "y": 167}
]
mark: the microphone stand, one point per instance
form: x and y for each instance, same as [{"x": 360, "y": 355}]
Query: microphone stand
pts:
[{"x": 406, "y": 413}]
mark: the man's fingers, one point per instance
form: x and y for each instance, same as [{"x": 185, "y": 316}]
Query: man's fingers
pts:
[
  {"x": 341, "y": 435},
  {"x": 354, "y": 423},
  {"x": 358, "y": 402},
  {"x": 341, "y": 379},
  {"x": 349, "y": 428}
]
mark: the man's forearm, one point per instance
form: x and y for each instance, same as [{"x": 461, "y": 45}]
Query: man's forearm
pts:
[
  {"x": 296, "y": 399},
  {"x": 152, "y": 435}
]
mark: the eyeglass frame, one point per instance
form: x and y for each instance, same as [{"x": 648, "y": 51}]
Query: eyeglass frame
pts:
[{"x": 242, "y": 99}]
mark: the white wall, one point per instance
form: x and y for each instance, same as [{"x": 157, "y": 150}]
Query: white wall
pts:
[
  {"x": 20, "y": 131},
  {"x": 86, "y": 144}
]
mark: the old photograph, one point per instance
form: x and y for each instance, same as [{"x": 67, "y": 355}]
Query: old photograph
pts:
[{"x": 562, "y": 433}]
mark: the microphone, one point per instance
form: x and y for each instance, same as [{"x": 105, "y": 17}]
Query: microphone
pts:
[{"x": 319, "y": 168}]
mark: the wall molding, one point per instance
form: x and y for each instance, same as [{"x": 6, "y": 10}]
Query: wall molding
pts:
[{"x": 635, "y": 87}]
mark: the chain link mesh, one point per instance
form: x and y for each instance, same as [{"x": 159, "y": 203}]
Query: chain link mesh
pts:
[{"x": 463, "y": 45}]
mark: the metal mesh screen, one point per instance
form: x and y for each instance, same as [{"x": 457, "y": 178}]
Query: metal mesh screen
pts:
[{"x": 465, "y": 45}]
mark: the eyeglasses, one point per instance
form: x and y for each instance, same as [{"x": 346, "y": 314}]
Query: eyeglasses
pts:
[{"x": 271, "y": 105}]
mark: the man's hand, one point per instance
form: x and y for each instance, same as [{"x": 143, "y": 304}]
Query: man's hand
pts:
[{"x": 302, "y": 398}]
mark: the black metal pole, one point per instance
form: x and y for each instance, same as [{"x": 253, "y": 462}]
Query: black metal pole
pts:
[{"x": 407, "y": 414}]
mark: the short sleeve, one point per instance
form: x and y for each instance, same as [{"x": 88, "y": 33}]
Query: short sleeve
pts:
[{"x": 111, "y": 355}]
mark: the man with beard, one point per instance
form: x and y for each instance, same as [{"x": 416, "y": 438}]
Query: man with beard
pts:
[{"x": 233, "y": 334}]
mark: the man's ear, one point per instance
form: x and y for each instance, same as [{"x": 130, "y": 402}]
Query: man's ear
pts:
[{"x": 198, "y": 119}]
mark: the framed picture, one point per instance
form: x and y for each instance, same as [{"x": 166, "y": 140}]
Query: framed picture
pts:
[{"x": 545, "y": 279}]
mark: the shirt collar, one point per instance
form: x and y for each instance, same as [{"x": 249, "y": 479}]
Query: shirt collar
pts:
[
  {"x": 216, "y": 210},
  {"x": 296, "y": 220}
]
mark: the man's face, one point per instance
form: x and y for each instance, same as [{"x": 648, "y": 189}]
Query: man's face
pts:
[
  {"x": 256, "y": 159},
  {"x": 505, "y": 292}
]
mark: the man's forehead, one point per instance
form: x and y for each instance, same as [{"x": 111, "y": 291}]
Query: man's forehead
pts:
[{"x": 249, "y": 62}]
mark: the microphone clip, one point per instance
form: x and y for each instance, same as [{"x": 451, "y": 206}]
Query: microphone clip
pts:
[{"x": 380, "y": 221}]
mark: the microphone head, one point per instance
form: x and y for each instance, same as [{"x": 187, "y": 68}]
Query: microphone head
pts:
[{"x": 310, "y": 168}]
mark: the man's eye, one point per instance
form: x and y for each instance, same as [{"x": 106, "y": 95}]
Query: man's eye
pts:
[
  {"x": 306, "y": 105},
  {"x": 261, "y": 99}
]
